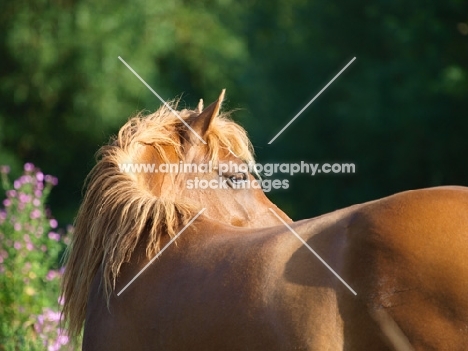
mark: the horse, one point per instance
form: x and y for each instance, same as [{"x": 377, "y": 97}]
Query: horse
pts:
[{"x": 156, "y": 265}]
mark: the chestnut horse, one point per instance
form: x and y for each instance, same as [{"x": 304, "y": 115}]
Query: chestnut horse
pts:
[{"x": 237, "y": 277}]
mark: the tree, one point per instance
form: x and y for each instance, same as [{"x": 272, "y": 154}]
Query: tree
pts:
[{"x": 64, "y": 90}]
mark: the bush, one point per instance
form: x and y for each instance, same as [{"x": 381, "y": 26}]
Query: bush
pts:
[{"x": 30, "y": 271}]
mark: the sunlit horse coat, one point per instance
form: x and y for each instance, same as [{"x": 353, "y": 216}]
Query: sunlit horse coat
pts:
[{"x": 238, "y": 278}]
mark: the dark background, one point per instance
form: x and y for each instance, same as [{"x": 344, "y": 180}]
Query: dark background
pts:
[{"x": 399, "y": 112}]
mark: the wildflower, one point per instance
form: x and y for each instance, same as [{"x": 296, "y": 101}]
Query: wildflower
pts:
[
  {"x": 35, "y": 214},
  {"x": 40, "y": 176},
  {"x": 51, "y": 180},
  {"x": 52, "y": 274},
  {"x": 4, "y": 169},
  {"x": 25, "y": 179},
  {"x": 24, "y": 198},
  {"x": 31, "y": 243},
  {"x": 54, "y": 236},
  {"x": 3, "y": 254},
  {"x": 3, "y": 216},
  {"x": 62, "y": 339},
  {"x": 40, "y": 184},
  {"x": 53, "y": 223},
  {"x": 28, "y": 167},
  {"x": 51, "y": 315},
  {"x": 29, "y": 291}
]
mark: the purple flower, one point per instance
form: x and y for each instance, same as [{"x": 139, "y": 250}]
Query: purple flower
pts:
[
  {"x": 29, "y": 244},
  {"x": 54, "y": 236},
  {"x": 28, "y": 167},
  {"x": 6, "y": 202},
  {"x": 35, "y": 214},
  {"x": 62, "y": 339},
  {"x": 17, "y": 245},
  {"x": 40, "y": 319},
  {"x": 4, "y": 169},
  {"x": 17, "y": 184},
  {"x": 53, "y": 223},
  {"x": 51, "y": 275},
  {"x": 11, "y": 193},
  {"x": 51, "y": 179},
  {"x": 40, "y": 176},
  {"x": 38, "y": 193},
  {"x": 17, "y": 226},
  {"x": 52, "y": 315},
  {"x": 25, "y": 179},
  {"x": 36, "y": 202},
  {"x": 40, "y": 185},
  {"x": 24, "y": 198}
]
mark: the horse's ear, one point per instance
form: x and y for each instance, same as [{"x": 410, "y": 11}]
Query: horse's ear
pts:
[
  {"x": 200, "y": 106},
  {"x": 201, "y": 123}
]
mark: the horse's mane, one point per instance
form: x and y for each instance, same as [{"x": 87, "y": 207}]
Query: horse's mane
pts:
[{"x": 118, "y": 208}]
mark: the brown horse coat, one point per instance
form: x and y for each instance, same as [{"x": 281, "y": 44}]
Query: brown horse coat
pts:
[
  {"x": 228, "y": 288},
  {"x": 238, "y": 278}
]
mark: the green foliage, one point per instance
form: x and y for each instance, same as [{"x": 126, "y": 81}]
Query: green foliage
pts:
[
  {"x": 64, "y": 91},
  {"x": 397, "y": 112},
  {"x": 30, "y": 249}
]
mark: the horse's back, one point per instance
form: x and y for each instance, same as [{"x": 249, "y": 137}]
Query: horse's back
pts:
[
  {"x": 263, "y": 290},
  {"x": 407, "y": 255},
  {"x": 200, "y": 294}
]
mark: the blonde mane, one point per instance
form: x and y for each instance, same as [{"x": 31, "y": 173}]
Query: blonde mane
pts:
[{"x": 118, "y": 210}]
